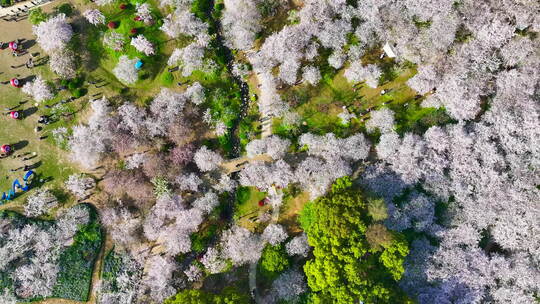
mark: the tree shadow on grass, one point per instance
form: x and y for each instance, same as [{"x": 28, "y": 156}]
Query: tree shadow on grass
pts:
[
  {"x": 20, "y": 145},
  {"x": 28, "y": 112},
  {"x": 35, "y": 165},
  {"x": 28, "y": 44}
]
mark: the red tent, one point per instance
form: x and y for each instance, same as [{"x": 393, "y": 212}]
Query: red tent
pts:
[
  {"x": 15, "y": 82},
  {"x": 6, "y": 149},
  {"x": 13, "y": 45},
  {"x": 14, "y": 114}
]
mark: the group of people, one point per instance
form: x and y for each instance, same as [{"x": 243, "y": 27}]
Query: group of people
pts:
[{"x": 25, "y": 158}]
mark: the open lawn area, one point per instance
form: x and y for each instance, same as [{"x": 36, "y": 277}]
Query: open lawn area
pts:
[
  {"x": 50, "y": 162},
  {"x": 247, "y": 209}
]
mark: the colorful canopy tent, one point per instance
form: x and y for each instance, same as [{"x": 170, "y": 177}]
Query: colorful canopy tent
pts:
[
  {"x": 15, "y": 82},
  {"x": 138, "y": 65},
  {"x": 13, "y": 45},
  {"x": 14, "y": 114},
  {"x": 5, "y": 149}
]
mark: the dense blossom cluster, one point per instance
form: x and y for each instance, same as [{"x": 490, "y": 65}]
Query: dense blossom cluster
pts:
[
  {"x": 39, "y": 89},
  {"x": 30, "y": 252}
]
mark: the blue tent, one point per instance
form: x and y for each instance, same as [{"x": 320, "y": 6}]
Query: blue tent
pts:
[{"x": 138, "y": 65}]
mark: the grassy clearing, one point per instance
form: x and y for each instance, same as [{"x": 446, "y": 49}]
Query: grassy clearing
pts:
[{"x": 247, "y": 209}]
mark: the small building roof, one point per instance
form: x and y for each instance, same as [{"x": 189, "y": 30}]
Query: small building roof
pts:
[{"x": 389, "y": 50}]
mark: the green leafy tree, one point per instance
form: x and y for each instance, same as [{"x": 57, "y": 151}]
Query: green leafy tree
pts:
[
  {"x": 36, "y": 15},
  {"x": 161, "y": 186},
  {"x": 274, "y": 260},
  {"x": 191, "y": 296},
  {"x": 377, "y": 209},
  {"x": 346, "y": 268}
]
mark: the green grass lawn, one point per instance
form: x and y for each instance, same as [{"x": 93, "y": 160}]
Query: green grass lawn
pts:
[
  {"x": 247, "y": 208},
  {"x": 51, "y": 162}
]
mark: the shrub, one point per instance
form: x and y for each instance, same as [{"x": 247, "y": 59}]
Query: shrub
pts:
[
  {"x": 167, "y": 78},
  {"x": 274, "y": 260},
  {"x": 65, "y": 9},
  {"x": 36, "y": 15},
  {"x": 6, "y": 3}
]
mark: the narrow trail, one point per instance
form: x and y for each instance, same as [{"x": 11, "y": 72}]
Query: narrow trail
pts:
[{"x": 235, "y": 140}]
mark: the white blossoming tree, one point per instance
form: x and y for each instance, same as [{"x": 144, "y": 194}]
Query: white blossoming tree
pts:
[
  {"x": 206, "y": 159},
  {"x": 114, "y": 41},
  {"x": 62, "y": 62},
  {"x": 94, "y": 16},
  {"x": 369, "y": 73},
  {"x": 144, "y": 13},
  {"x": 125, "y": 70},
  {"x": 39, "y": 203},
  {"x": 80, "y": 185},
  {"x": 38, "y": 89},
  {"x": 143, "y": 45},
  {"x": 54, "y": 33}
]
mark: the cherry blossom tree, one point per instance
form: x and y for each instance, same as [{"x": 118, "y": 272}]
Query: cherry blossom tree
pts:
[
  {"x": 182, "y": 155},
  {"x": 88, "y": 142},
  {"x": 143, "y": 45},
  {"x": 213, "y": 261},
  {"x": 346, "y": 116},
  {"x": 298, "y": 246},
  {"x": 241, "y": 23},
  {"x": 329, "y": 147},
  {"x": 196, "y": 92},
  {"x": 144, "y": 12},
  {"x": 158, "y": 278},
  {"x": 132, "y": 118},
  {"x": 165, "y": 110},
  {"x": 184, "y": 22},
  {"x": 193, "y": 273},
  {"x": 135, "y": 161},
  {"x": 273, "y": 146},
  {"x": 39, "y": 203},
  {"x": 80, "y": 185},
  {"x": 225, "y": 184},
  {"x": 206, "y": 159},
  {"x": 382, "y": 119},
  {"x": 369, "y": 73},
  {"x": 53, "y": 34},
  {"x": 38, "y": 89},
  {"x": 125, "y": 70},
  {"x": 270, "y": 103},
  {"x": 274, "y": 234},
  {"x": 190, "y": 58},
  {"x": 264, "y": 176},
  {"x": 241, "y": 246},
  {"x": 122, "y": 224},
  {"x": 316, "y": 175},
  {"x": 189, "y": 182},
  {"x": 114, "y": 41},
  {"x": 207, "y": 202},
  {"x": 62, "y": 62},
  {"x": 103, "y": 2},
  {"x": 311, "y": 75},
  {"x": 94, "y": 16},
  {"x": 289, "y": 285}
]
